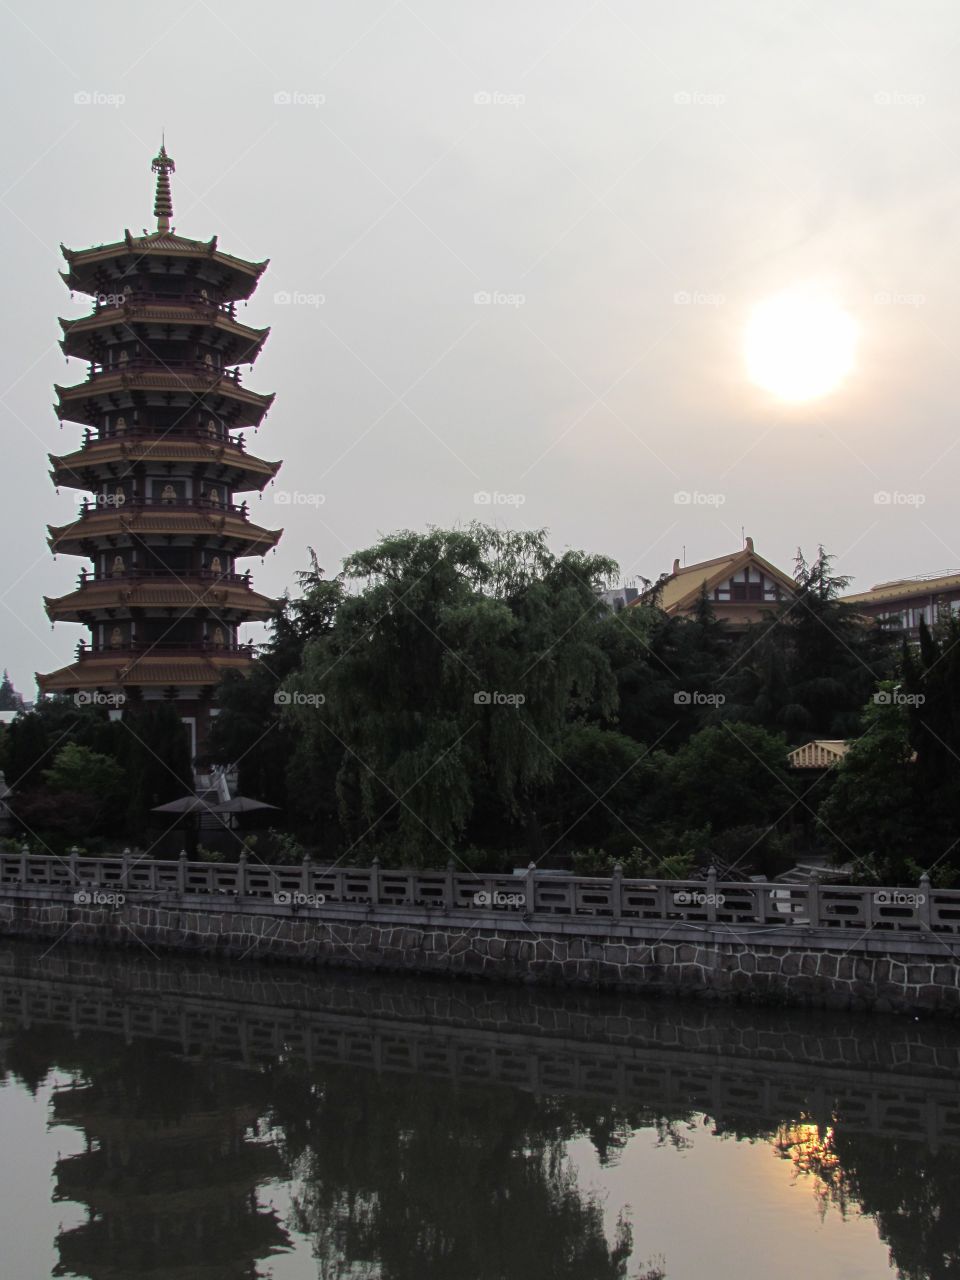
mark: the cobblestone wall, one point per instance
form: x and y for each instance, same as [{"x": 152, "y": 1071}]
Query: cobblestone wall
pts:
[{"x": 799, "y": 967}]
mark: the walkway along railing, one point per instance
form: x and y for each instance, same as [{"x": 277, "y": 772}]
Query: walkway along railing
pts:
[{"x": 533, "y": 893}]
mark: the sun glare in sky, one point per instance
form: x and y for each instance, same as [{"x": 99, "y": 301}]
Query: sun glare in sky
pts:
[{"x": 800, "y": 345}]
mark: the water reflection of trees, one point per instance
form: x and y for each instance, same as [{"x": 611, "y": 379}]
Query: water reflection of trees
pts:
[
  {"x": 910, "y": 1190},
  {"x": 393, "y": 1177},
  {"x": 439, "y": 1182}
]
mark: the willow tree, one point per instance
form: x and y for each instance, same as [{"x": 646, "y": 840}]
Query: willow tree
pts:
[{"x": 448, "y": 679}]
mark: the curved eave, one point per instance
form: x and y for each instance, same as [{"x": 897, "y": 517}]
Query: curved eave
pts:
[
  {"x": 74, "y": 403},
  {"x": 85, "y": 468},
  {"x": 114, "y": 671},
  {"x": 251, "y": 340},
  {"x": 183, "y": 597},
  {"x": 83, "y": 262},
  {"x": 244, "y": 538}
]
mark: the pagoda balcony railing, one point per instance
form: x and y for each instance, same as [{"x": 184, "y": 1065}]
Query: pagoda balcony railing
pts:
[
  {"x": 165, "y": 648},
  {"x": 107, "y": 301},
  {"x": 192, "y": 435},
  {"x": 156, "y": 364},
  {"x": 172, "y": 576},
  {"x": 119, "y": 502}
]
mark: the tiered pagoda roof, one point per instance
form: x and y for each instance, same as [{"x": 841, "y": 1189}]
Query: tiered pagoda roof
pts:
[
  {"x": 157, "y": 669},
  {"x": 115, "y": 524},
  {"x": 89, "y": 270},
  {"x": 84, "y": 337},
  {"x": 225, "y": 459},
  {"x": 120, "y": 594},
  {"x": 161, "y": 403},
  {"x": 216, "y": 390}
]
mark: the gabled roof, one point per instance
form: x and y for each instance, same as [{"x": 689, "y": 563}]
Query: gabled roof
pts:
[
  {"x": 680, "y": 589},
  {"x": 821, "y": 753}
]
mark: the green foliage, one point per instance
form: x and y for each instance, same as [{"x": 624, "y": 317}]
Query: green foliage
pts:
[
  {"x": 601, "y": 790},
  {"x": 10, "y": 700},
  {"x": 809, "y": 670},
  {"x": 78, "y": 768},
  {"x": 726, "y": 776},
  {"x": 639, "y": 863},
  {"x": 203, "y": 854},
  {"x": 448, "y": 681},
  {"x": 654, "y": 659},
  {"x": 869, "y": 816},
  {"x": 250, "y": 731},
  {"x": 156, "y": 751},
  {"x": 279, "y": 847},
  {"x": 464, "y": 694}
]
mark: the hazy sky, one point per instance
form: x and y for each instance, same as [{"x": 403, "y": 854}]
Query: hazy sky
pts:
[{"x": 582, "y": 162}]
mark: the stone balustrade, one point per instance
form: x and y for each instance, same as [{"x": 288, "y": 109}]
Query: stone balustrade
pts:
[
  {"x": 838, "y": 946},
  {"x": 313, "y": 886}
]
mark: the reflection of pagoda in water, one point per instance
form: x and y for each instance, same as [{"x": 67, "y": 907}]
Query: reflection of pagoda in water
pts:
[{"x": 169, "y": 1182}]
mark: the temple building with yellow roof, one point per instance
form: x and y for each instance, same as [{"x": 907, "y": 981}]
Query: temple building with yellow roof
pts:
[
  {"x": 163, "y": 461},
  {"x": 742, "y": 588}
]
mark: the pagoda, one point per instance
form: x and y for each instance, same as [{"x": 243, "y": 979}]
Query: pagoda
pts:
[{"x": 164, "y": 462}]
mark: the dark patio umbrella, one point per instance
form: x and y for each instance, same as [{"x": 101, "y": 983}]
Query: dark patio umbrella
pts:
[
  {"x": 186, "y": 804},
  {"x": 241, "y": 804}
]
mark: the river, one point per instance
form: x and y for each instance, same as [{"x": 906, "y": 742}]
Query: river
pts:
[{"x": 184, "y": 1120}]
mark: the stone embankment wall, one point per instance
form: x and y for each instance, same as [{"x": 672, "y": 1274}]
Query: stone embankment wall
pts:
[{"x": 796, "y": 964}]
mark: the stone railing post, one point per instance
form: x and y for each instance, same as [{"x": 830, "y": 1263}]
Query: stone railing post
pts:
[
  {"x": 616, "y": 891},
  {"x": 24, "y": 862},
  {"x": 72, "y": 859},
  {"x": 450, "y": 887},
  {"x": 375, "y": 883},
  {"x": 182, "y": 873},
  {"x": 306, "y": 875},
  {"x": 531, "y": 888},
  {"x": 712, "y": 894},
  {"x": 125, "y": 869},
  {"x": 242, "y": 875},
  {"x": 813, "y": 900},
  {"x": 924, "y": 905}
]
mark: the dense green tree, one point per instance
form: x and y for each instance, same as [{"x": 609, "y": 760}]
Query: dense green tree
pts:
[
  {"x": 10, "y": 700},
  {"x": 77, "y": 798},
  {"x": 670, "y": 671},
  {"x": 809, "y": 670},
  {"x": 26, "y": 747},
  {"x": 727, "y": 775},
  {"x": 157, "y": 759},
  {"x": 33, "y": 738},
  {"x": 719, "y": 799},
  {"x": 250, "y": 730},
  {"x": 77, "y": 768},
  {"x": 931, "y": 691},
  {"x": 869, "y": 817},
  {"x": 452, "y": 673},
  {"x": 603, "y": 793}
]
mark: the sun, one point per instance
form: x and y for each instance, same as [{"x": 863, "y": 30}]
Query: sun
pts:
[{"x": 800, "y": 344}]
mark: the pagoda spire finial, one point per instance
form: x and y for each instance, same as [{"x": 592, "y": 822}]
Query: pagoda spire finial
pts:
[{"x": 163, "y": 166}]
